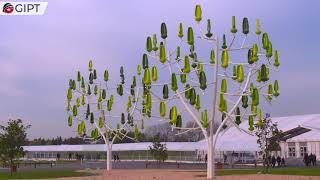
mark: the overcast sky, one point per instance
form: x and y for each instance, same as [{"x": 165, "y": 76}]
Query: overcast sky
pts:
[{"x": 38, "y": 54}]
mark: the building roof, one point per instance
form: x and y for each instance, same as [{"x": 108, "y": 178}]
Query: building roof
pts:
[
  {"x": 230, "y": 140},
  {"x": 172, "y": 146}
]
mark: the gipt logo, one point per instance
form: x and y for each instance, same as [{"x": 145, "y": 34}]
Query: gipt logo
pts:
[
  {"x": 23, "y": 8},
  {"x": 7, "y": 8}
]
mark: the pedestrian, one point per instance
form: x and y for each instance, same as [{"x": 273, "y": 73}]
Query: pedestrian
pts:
[
  {"x": 273, "y": 161},
  {"x": 279, "y": 161},
  {"x": 269, "y": 162},
  {"x": 306, "y": 159},
  {"x": 206, "y": 158},
  {"x": 224, "y": 158},
  {"x": 283, "y": 163},
  {"x": 118, "y": 158},
  {"x": 114, "y": 158},
  {"x": 313, "y": 159}
]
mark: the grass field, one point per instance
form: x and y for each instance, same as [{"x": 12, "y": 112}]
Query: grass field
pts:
[
  {"x": 44, "y": 174},
  {"x": 279, "y": 171}
]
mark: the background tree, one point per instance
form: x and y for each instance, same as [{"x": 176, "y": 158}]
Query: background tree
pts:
[
  {"x": 268, "y": 139},
  {"x": 158, "y": 149},
  {"x": 206, "y": 80},
  {"x": 168, "y": 134},
  {"x": 91, "y": 103},
  {"x": 12, "y": 138}
]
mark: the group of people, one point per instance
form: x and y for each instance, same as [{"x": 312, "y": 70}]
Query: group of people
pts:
[
  {"x": 280, "y": 161},
  {"x": 310, "y": 159},
  {"x": 116, "y": 158}
]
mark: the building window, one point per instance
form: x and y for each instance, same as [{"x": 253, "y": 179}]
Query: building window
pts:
[
  {"x": 292, "y": 149},
  {"x": 303, "y": 149}
]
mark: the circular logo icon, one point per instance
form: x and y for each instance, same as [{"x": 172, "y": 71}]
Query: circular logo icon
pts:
[{"x": 8, "y": 8}]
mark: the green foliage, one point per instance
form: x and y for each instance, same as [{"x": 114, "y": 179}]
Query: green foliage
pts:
[
  {"x": 224, "y": 42},
  {"x": 276, "y": 88},
  {"x": 165, "y": 91},
  {"x": 162, "y": 109},
  {"x": 190, "y": 38},
  {"x": 192, "y": 96},
  {"x": 203, "y": 80},
  {"x": 276, "y": 59},
  {"x": 12, "y": 137},
  {"x": 174, "y": 84},
  {"x": 269, "y": 137},
  {"x": 149, "y": 44},
  {"x": 164, "y": 34},
  {"x": 186, "y": 68},
  {"x": 198, "y": 103},
  {"x": 233, "y": 27},
  {"x": 208, "y": 34},
  {"x": 245, "y": 26},
  {"x": 179, "y": 121},
  {"x": 258, "y": 30},
  {"x": 173, "y": 115},
  {"x": 70, "y": 121},
  {"x": 154, "y": 73},
  {"x": 224, "y": 59},
  {"x": 198, "y": 13},
  {"x": 45, "y": 174},
  {"x": 154, "y": 42},
  {"x": 145, "y": 62},
  {"x": 204, "y": 119},
  {"x": 240, "y": 73},
  {"x": 90, "y": 100},
  {"x": 223, "y": 88},
  {"x": 162, "y": 54},
  {"x": 238, "y": 116},
  {"x": 212, "y": 57},
  {"x": 180, "y": 31},
  {"x": 158, "y": 150}
]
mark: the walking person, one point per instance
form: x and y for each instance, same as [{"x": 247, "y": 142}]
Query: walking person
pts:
[
  {"x": 273, "y": 161},
  {"x": 114, "y": 158},
  {"x": 306, "y": 159},
  {"x": 279, "y": 161},
  {"x": 224, "y": 158},
  {"x": 206, "y": 158},
  {"x": 118, "y": 158},
  {"x": 283, "y": 163},
  {"x": 313, "y": 159}
]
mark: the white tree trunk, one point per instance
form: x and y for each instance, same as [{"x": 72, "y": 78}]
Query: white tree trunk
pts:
[
  {"x": 211, "y": 149},
  {"x": 109, "y": 159},
  {"x": 210, "y": 160}
]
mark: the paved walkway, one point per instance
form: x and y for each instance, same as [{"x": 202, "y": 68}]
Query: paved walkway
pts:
[{"x": 155, "y": 174}]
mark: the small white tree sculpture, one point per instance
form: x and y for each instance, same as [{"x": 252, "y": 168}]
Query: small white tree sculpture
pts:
[{"x": 90, "y": 103}]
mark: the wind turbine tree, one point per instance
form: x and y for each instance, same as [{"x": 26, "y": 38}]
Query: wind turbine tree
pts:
[
  {"x": 90, "y": 105},
  {"x": 207, "y": 81}
]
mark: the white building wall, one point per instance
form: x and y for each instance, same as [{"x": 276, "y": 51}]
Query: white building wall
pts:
[
  {"x": 312, "y": 147},
  {"x": 318, "y": 150},
  {"x": 284, "y": 149},
  {"x": 309, "y": 147},
  {"x": 297, "y": 150}
]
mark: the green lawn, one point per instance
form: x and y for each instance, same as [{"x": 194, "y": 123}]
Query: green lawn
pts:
[
  {"x": 311, "y": 171},
  {"x": 44, "y": 174},
  {"x": 281, "y": 171}
]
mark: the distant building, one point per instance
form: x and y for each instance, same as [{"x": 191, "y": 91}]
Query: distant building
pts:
[{"x": 301, "y": 135}]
